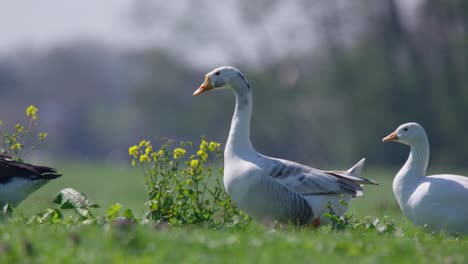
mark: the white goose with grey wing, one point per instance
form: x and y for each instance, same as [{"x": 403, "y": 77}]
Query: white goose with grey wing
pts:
[{"x": 269, "y": 188}]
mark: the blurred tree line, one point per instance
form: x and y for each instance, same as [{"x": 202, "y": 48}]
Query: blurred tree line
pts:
[{"x": 330, "y": 79}]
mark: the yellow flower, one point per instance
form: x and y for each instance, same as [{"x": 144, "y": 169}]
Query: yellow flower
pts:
[
  {"x": 178, "y": 153},
  {"x": 144, "y": 159},
  {"x": 202, "y": 154},
  {"x": 31, "y": 111},
  {"x": 194, "y": 163},
  {"x": 142, "y": 143},
  {"x": 148, "y": 150},
  {"x": 203, "y": 144},
  {"x": 16, "y": 146},
  {"x": 42, "y": 136},
  {"x": 213, "y": 146},
  {"x": 133, "y": 151},
  {"x": 19, "y": 128}
]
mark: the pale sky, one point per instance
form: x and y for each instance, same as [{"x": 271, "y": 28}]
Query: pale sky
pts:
[{"x": 39, "y": 24}]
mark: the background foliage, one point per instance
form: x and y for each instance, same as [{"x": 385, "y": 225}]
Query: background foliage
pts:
[{"x": 328, "y": 84}]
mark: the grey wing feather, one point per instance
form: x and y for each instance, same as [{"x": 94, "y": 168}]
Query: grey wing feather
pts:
[
  {"x": 272, "y": 199},
  {"x": 359, "y": 180},
  {"x": 310, "y": 181}
]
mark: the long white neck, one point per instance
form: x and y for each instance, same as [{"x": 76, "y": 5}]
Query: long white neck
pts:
[
  {"x": 413, "y": 171},
  {"x": 238, "y": 143}
]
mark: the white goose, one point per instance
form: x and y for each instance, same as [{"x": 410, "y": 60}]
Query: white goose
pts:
[
  {"x": 18, "y": 179},
  {"x": 437, "y": 202},
  {"x": 269, "y": 188}
]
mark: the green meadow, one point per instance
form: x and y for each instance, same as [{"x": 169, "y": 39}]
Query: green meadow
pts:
[
  {"x": 81, "y": 82},
  {"x": 21, "y": 242}
]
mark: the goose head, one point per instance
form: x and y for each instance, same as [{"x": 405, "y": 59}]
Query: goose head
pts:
[
  {"x": 408, "y": 134},
  {"x": 222, "y": 77}
]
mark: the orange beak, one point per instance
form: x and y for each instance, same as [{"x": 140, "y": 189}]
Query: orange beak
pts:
[
  {"x": 206, "y": 86},
  {"x": 392, "y": 137}
]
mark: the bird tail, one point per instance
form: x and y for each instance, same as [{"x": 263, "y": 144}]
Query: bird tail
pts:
[
  {"x": 354, "y": 174},
  {"x": 356, "y": 169},
  {"x": 47, "y": 173}
]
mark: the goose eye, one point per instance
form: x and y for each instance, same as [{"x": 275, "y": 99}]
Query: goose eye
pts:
[
  {"x": 217, "y": 73},
  {"x": 405, "y": 129}
]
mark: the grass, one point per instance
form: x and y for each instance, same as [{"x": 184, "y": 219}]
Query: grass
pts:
[
  {"x": 106, "y": 185},
  {"x": 146, "y": 244}
]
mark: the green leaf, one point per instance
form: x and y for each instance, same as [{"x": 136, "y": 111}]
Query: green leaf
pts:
[
  {"x": 7, "y": 210},
  {"x": 52, "y": 216},
  {"x": 113, "y": 211},
  {"x": 49, "y": 216},
  {"x": 72, "y": 199},
  {"x": 128, "y": 214}
]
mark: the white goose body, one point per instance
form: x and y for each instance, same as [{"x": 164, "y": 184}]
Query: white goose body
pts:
[
  {"x": 437, "y": 202},
  {"x": 274, "y": 189}
]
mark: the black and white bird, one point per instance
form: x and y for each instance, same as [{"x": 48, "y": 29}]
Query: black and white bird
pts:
[
  {"x": 18, "y": 179},
  {"x": 268, "y": 188}
]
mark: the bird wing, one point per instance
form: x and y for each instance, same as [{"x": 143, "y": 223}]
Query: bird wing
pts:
[
  {"x": 10, "y": 168},
  {"x": 448, "y": 189},
  {"x": 309, "y": 181},
  {"x": 271, "y": 198}
]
